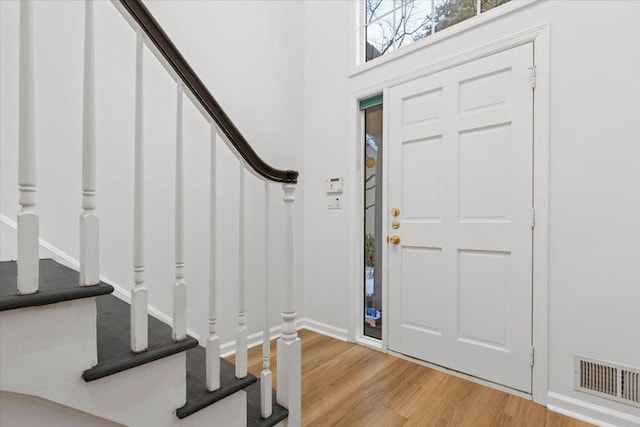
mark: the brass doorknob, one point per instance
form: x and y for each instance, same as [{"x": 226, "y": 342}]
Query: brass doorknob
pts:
[{"x": 394, "y": 240}]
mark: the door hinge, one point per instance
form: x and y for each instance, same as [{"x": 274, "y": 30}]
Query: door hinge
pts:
[
  {"x": 533, "y": 76},
  {"x": 533, "y": 218},
  {"x": 532, "y": 356}
]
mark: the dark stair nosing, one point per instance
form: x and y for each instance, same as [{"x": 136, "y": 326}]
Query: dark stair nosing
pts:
[
  {"x": 102, "y": 370},
  {"x": 254, "y": 419},
  {"x": 114, "y": 342},
  {"x": 198, "y": 397},
  {"x": 57, "y": 283}
]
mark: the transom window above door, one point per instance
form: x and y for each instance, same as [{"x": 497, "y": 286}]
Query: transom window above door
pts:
[{"x": 389, "y": 25}]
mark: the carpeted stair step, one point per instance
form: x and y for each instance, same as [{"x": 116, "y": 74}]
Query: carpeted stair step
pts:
[
  {"x": 278, "y": 413},
  {"x": 57, "y": 284},
  {"x": 114, "y": 342},
  {"x": 197, "y": 395}
]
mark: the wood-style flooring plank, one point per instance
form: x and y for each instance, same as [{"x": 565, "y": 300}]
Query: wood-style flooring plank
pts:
[{"x": 350, "y": 385}]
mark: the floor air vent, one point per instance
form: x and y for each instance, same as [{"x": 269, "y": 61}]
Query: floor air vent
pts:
[
  {"x": 630, "y": 386},
  {"x": 608, "y": 380}
]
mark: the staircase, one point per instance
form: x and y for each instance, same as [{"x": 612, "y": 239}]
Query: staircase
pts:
[{"x": 74, "y": 353}]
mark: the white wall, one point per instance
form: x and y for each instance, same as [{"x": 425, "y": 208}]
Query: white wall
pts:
[
  {"x": 594, "y": 177},
  {"x": 249, "y": 54}
]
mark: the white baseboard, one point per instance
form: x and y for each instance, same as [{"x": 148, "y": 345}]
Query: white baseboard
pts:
[
  {"x": 125, "y": 295},
  {"x": 325, "y": 329},
  {"x": 49, "y": 250},
  {"x": 229, "y": 348},
  {"x": 590, "y": 412}
]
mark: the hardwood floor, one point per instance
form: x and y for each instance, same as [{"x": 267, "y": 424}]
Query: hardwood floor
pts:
[{"x": 346, "y": 384}]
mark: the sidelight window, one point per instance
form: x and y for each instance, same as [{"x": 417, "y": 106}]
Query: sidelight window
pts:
[{"x": 372, "y": 187}]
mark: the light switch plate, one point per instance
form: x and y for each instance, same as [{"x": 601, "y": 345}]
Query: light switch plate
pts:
[{"x": 334, "y": 202}]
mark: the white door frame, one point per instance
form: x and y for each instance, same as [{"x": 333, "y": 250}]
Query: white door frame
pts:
[{"x": 540, "y": 36}]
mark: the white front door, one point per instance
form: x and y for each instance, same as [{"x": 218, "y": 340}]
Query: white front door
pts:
[{"x": 461, "y": 175}]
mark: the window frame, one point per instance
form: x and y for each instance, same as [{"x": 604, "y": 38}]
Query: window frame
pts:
[{"x": 360, "y": 65}]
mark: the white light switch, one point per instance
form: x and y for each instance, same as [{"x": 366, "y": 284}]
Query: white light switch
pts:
[{"x": 334, "y": 202}]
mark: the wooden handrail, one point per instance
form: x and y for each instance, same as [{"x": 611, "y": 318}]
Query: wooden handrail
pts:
[{"x": 165, "y": 46}]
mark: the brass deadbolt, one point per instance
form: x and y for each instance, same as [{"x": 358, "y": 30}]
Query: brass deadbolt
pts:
[
  {"x": 395, "y": 225},
  {"x": 395, "y": 211}
]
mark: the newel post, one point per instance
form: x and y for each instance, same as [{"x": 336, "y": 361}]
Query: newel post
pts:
[{"x": 289, "y": 381}]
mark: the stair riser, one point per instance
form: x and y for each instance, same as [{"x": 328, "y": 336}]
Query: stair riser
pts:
[
  {"x": 229, "y": 412},
  {"x": 146, "y": 395},
  {"x": 23, "y": 410},
  {"x": 50, "y": 345}
]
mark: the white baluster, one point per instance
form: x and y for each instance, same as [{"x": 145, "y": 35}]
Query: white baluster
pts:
[
  {"x": 241, "y": 337},
  {"x": 28, "y": 220},
  {"x": 89, "y": 221},
  {"x": 180, "y": 288},
  {"x": 265, "y": 375},
  {"x": 213, "y": 342},
  {"x": 289, "y": 346},
  {"x": 139, "y": 327}
]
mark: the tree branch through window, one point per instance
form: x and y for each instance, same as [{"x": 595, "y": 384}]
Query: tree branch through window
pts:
[{"x": 391, "y": 24}]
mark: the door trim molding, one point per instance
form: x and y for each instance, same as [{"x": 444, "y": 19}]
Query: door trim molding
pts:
[
  {"x": 540, "y": 36},
  {"x": 541, "y": 173}
]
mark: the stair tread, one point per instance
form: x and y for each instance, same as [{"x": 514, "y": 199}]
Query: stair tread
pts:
[
  {"x": 57, "y": 283},
  {"x": 278, "y": 413},
  {"x": 114, "y": 346},
  {"x": 197, "y": 395}
]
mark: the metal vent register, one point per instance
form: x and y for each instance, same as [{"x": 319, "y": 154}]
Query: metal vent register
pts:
[{"x": 609, "y": 380}]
